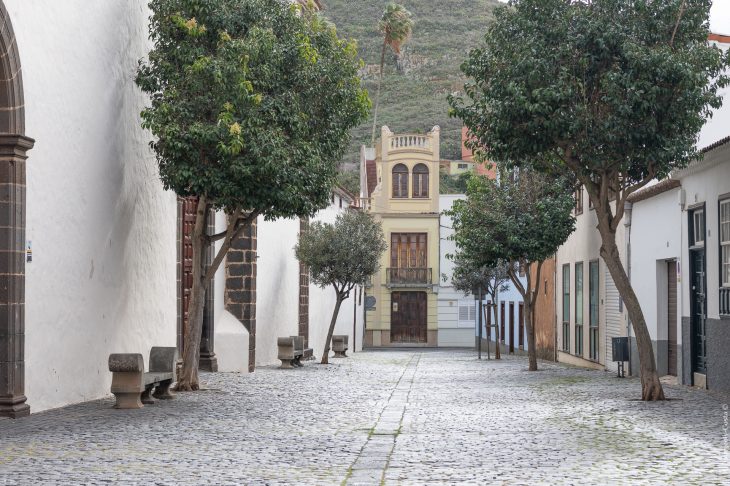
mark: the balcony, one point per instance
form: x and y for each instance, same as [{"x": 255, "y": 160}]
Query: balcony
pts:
[
  {"x": 725, "y": 301},
  {"x": 408, "y": 277}
]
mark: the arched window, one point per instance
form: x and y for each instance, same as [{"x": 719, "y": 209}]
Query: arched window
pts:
[
  {"x": 400, "y": 181},
  {"x": 420, "y": 181}
]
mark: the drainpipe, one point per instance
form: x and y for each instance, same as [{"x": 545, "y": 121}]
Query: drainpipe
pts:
[
  {"x": 555, "y": 306},
  {"x": 627, "y": 223}
]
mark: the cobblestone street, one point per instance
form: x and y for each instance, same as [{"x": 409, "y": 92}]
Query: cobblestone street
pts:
[{"x": 398, "y": 417}]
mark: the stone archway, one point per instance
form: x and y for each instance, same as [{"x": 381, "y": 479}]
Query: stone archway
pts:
[{"x": 13, "y": 147}]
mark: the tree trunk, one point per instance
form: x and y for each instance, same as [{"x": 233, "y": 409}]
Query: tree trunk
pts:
[
  {"x": 530, "y": 305},
  {"x": 326, "y": 352},
  {"x": 651, "y": 387},
  {"x": 188, "y": 379},
  {"x": 377, "y": 94},
  {"x": 530, "y": 325},
  {"x": 497, "y": 352}
]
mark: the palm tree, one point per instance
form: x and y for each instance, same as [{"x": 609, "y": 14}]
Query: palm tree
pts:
[{"x": 396, "y": 26}]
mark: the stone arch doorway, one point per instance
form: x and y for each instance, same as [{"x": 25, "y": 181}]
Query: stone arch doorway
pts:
[{"x": 13, "y": 147}]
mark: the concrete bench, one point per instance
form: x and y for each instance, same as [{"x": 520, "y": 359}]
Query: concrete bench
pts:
[
  {"x": 305, "y": 353},
  {"x": 292, "y": 351},
  {"x": 339, "y": 346},
  {"x": 132, "y": 387}
]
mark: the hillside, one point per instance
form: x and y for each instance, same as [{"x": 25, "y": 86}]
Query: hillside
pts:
[{"x": 414, "y": 100}]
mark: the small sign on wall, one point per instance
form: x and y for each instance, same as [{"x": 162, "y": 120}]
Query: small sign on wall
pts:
[{"x": 29, "y": 251}]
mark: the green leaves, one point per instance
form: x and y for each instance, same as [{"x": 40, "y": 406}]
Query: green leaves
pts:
[
  {"x": 251, "y": 103},
  {"x": 619, "y": 87},
  {"x": 523, "y": 218},
  {"x": 344, "y": 253}
]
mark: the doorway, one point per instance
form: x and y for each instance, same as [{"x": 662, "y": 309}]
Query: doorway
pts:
[
  {"x": 697, "y": 293},
  {"x": 408, "y": 318},
  {"x": 672, "y": 317}
]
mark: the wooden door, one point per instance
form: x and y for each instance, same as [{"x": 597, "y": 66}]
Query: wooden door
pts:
[
  {"x": 521, "y": 320},
  {"x": 189, "y": 209},
  {"x": 408, "y": 317},
  {"x": 672, "y": 318},
  {"x": 501, "y": 321},
  {"x": 511, "y": 327}
]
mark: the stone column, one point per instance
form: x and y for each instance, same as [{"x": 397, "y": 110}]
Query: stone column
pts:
[
  {"x": 208, "y": 361},
  {"x": 13, "y": 150},
  {"x": 240, "y": 291},
  {"x": 304, "y": 291}
]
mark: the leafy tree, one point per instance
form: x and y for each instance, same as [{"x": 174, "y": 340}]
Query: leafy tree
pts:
[
  {"x": 343, "y": 254},
  {"x": 469, "y": 277},
  {"x": 611, "y": 93},
  {"x": 521, "y": 219},
  {"x": 396, "y": 26},
  {"x": 453, "y": 184},
  {"x": 251, "y": 106}
]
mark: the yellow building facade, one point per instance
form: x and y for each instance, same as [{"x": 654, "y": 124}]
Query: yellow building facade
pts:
[{"x": 400, "y": 188}]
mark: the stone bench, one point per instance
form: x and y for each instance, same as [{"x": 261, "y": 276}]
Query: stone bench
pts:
[
  {"x": 339, "y": 346},
  {"x": 292, "y": 351},
  {"x": 132, "y": 387}
]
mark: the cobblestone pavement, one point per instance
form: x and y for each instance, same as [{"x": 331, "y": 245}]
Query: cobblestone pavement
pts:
[{"x": 393, "y": 417}]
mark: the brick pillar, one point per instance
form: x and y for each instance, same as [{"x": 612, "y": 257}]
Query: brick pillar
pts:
[
  {"x": 240, "y": 291},
  {"x": 304, "y": 291},
  {"x": 13, "y": 150},
  {"x": 208, "y": 360}
]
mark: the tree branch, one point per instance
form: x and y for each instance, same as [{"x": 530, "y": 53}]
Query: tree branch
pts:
[{"x": 676, "y": 25}]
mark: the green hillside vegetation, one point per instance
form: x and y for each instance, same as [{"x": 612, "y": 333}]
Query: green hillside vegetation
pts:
[{"x": 414, "y": 100}]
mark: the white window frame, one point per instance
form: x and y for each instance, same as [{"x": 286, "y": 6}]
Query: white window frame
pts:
[
  {"x": 698, "y": 217},
  {"x": 724, "y": 218}
]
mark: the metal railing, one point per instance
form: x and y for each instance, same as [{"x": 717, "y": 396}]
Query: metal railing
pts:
[{"x": 409, "y": 276}]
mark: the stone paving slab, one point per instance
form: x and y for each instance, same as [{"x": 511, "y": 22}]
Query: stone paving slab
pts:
[{"x": 396, "y": 417}]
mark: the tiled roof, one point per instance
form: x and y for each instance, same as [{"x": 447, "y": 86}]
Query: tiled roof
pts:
[
  {"x": 651, "y": 191},
  {"x": 719, "y": 143}
]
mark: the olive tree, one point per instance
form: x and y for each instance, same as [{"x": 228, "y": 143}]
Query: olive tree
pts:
[
  {"x": 521, "y": 219},
  {"x": 251, "y": 106},
  {"x": 342, "y": 255},
  {"x": 611, "y": 93}
]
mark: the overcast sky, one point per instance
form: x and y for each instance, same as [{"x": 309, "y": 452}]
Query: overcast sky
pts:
[{"x": 720, "y": 17}]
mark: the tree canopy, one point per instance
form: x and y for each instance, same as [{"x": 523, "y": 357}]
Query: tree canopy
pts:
[
  {"x": 519, "y": 219},
  {"x": 342, "y": 254},
  {"x": 252, "y": 102},
  {"x": 617, "y": 87}
]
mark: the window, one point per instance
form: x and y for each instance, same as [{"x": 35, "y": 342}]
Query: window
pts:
[
  {"x": 408, "y": 250},
  {"x": 420, "y": 181},
  {"x": 400, "y": 181},
  {"x": 725, "y": 242},
  {"x": 566, "y": 308},
  {"x": 697, "y": 220},
  {"x": 578, "y": 201},
  {"x": 593, "y": 308},
  {"x": 463, "y": 166},
  {"x": 579, "y": 309},
  {"x": 467, "y": 313}
]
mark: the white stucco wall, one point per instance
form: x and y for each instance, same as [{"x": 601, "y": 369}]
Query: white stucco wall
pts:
[
  {"x": 655, "y": 238},
  {"x": 103, "y": 231}
]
